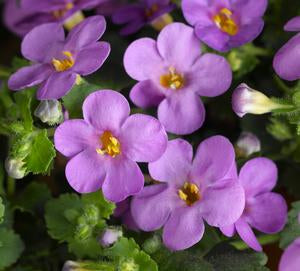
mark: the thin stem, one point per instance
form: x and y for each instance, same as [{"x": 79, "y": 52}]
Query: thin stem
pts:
[
  {"x": 11, "y": 186},
  {"x": 263, "y": 240}
]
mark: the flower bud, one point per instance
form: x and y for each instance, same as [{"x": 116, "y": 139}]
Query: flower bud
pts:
[
  {"x": 50, "y": 112},
  {"x": 153, "y": 244},
  {"x": 71, "y": 266},
  {"x": 247, "y": 144},
  {"x": 128, "y": 265},
  {"x": 247, "y": 100},
  {"x": 15, "y": 168},
  {"x": 110, "y": 236}
]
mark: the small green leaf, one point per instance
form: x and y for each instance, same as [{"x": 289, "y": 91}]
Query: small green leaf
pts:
[
  {"x": 11, "y": 247},
  {"x": 292, "y": 228},
  {"x": 2, "y": 209},
  {"x": 88, "y": 248}
]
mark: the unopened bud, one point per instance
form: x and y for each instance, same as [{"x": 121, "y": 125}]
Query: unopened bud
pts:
[
  {"x": 50, "y": 112},
  {"x": 110, "y": 236},
  {"x": 128, "y": 265},
  {"x": 15, "y": 168},
  {"x": 71, "y": 266},
  {"x": 247, "y": 144}
]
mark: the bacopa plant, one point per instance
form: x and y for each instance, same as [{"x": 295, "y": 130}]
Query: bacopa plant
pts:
[{"x": 150, "y": 135}]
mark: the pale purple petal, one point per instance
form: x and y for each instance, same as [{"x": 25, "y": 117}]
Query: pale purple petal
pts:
[
  {"x": 91, "y": 58},
  {"x": 216, "y": 203},
  {"x": 57, "y": 85},
  {"x": 267, "y": 212},
  {"x": 259, "y": 175},
  {"x": 146, "y": 94},
  {"x": 215, "y": 157},
  {"x": 178, "y": 45},
  {"x": 106, "y": 110},
  {"x": 152, "y": 207},
  {"x": 196, "y": 11},
  {"x": 182, "y": 113},
  {"x": 204, "y": 72},
  {"x": 123, "y": 179},
  {"x": 175, "y": 164},
  {"x": 73, "y": 136},
  {"x": 184, "y": 229},
  {"x": 143, "y": 138},
  {"x": 43, "y": 42},
  {"x": 290, "y": 260},
  {"x": 85, "y": 172},
  {"x": 293, "y": 24},
  {"x": 228, "y": 231},
  {"x": 29, "y": 76},
  {"x": 249, "y": 9},
  {"x": 142, "y": 60},
  {"x": 247, "y": 235}
]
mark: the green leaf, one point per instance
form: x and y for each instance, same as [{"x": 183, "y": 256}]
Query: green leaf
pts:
[
  {"x": 226, "y": 258},
  {"x": 41, "y": 154},
  {"x": 129, "y": 251},
  {"x": 11, "y": 247},
  {"x": 87, "y": 248},
  {"x": 105, "y": 207},
  {"x": 34, "y": 196},
  {"x": 2, "y": 209},
  {"x": 292, "y": 228}
]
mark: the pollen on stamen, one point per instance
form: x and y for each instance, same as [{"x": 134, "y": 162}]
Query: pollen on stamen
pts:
[
  {"x": 172, "y": 79},
  {"x": 110, "y": 145},
  {"x": 189, "y": 193},
  {"x": 61, "y": 65},
  {"x": 225, "y": 22}
]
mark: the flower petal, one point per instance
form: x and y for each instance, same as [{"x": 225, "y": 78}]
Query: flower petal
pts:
[
  {"x": 146, "y": 94},
  {"x": 215, "y": 157},
  {"x": 73, "y": 136},
  {"x": 175, "y": 164},
  {"x": 216, "y": 203},
  {"x": 290, "y": 260},
  {"x": 172, "y": 45},
  {"x": 182, "y": 113},
  {"x": 43, "y": 42},
  {"x": 293, "y": 24},
  {"x": 106, "y": 110},
  {"x": 152, "y": 207},
  {"x": 184, "y": 229},
  {"x": 246, "y": 233},
  {"x": 85, "y": 172},
  {"x": 29, "y": 76},
  {"x": 58, "y": 85},
  {"x": 123, "y": 179},
  {"x": 204, "y": 73},
  {"x": 142, "y": 60},
  {"x": 143, "y": 138},
  {"x": 259, "y": 175},
  {"x": 249, "y": 9},
  {"x": 228, "y": 231},
  {"x": 196, "y": 11},
  {"x": 91, "y": 58},
  {"x": 267, "y": 212}
]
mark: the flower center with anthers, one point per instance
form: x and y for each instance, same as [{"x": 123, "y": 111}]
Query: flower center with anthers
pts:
[
  {"x": 151, "y": 11},
  {"x": 62, "y": 65},
  {"x": 61, "y": 12},
  {"x": 110, "y": 145},
  {"x": 172, "y": 79},
  {"x": 225, "y": 22},
  {"x": 189, "y": 193}
]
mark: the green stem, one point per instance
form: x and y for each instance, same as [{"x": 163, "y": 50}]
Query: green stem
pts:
[
  {"x": 263, "y": 240},
  {"x": 11, "y": 186},
  {"x": 281, "y": 85}
]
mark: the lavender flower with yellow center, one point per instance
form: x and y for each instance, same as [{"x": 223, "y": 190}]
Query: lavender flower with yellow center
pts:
[
  {"x": 225, "y": 24},
  {"x": 59, "y": 62},
  {"x": 191, "y": 191},
  {"x": 105, "y": 146}
]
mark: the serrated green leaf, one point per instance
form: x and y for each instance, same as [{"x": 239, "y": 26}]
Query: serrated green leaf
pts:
[
  {"x": 88, "y": 248},
  {"x": 105, "y": 207},
  {"x": 41, "y": 154},
  {"x": 292, "y": 228},
  {"x": 11, "y": 247},
  {"x": 224, "y": 257}
]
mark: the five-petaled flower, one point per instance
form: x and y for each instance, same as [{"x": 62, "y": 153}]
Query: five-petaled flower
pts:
[
  {"x": 172, "y": 74},
  {"x": 190, "y": 192},
  {"x": 58, "y": 62},
  {"x": 225, "y": 24},
  {"x": 105, "y": 146},
  {"x": 264, "y": 210}
]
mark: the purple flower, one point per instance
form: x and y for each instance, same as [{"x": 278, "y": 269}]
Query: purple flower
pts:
[
  {"x": 135, "y": 16},
  {"x": 290, "y": 260},
  {"x": 225, "y": 24},
  {"x": 105, "y": 146},
  {"x": 191, "y": 191},
  {"x": 286, "y": 61},
  {"x": 58, "y": 61},
  {"x": 264, "y": 210},
  {"x": 172, "y": 73},
  {"x": 123, "y": 211},
  {"x": 109, "y": 7},
  {"x": 110, "y": 236},
  {"x": 21, "y": 16},
  {"x": 247, "y": 144}
]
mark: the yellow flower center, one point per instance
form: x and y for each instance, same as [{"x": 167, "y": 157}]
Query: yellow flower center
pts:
[
  {"x": 110, "y": 145},
  {"x": 150, "y": 11},
  {"x": 61, "y": 12},
  {"x": 62, "y": 65},
  {"x": 172, "y": 79},
  {"x": 189, "y": 193},
  {"x": 225, "y": 22}
]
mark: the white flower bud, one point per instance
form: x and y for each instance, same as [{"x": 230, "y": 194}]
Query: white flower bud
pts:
[
  {"x": 15, "y": 168},
  {"x": 247, "y": 144},
  {"x": 50, "y": 112},
  {"x": 110, "y": 236}
]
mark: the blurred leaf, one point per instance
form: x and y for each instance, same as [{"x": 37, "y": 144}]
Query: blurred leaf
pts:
[
  {"x": 2, "y": 210},
  {"x": 88, "y": 248}
]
